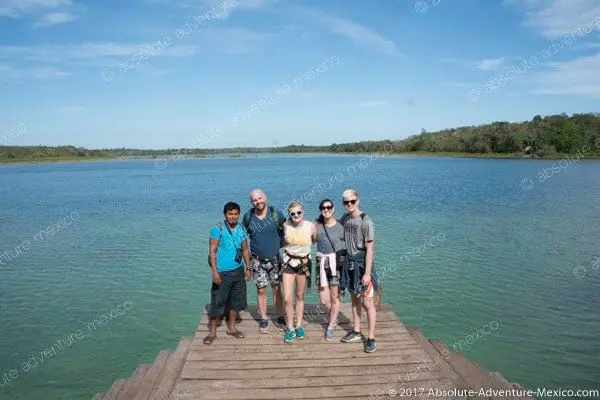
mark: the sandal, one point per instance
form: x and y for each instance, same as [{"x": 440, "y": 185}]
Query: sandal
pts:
[
  {"x": 236, "y": 334},
  {"x": 209, "y": 339}
]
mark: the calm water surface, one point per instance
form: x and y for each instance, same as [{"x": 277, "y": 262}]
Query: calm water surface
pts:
[{"x": 493, "y": 246}]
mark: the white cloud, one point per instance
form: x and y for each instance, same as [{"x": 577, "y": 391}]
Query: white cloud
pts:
[
  {"x": 489, "y": 64},
  {"x": 41, "y": 73},
  {"x": 579, "y": 76},
  {"x": 55, "y": 19},
  {"x": 18, "y": 8},
  {"x": 554, "y": 18},
  {"x": 357, "y": 33},
  {"x": 373, "y": 103}
]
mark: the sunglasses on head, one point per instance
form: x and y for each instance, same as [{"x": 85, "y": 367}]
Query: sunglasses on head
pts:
[
  {"x": 347, "y": 202},
  {"x": 326, "y": 208},
  {"x": 293, "y": 214}
]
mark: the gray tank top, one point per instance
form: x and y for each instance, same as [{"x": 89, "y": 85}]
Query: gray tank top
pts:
[{"x": 336, "y": 234}]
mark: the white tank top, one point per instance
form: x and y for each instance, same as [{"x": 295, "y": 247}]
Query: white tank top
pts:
[{"x": 298, "y": 239}]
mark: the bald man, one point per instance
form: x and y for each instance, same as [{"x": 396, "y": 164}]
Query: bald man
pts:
[{"x": 264, "y": 225}]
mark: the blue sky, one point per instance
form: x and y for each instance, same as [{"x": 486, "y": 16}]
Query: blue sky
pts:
[{"x": 220, "y": 73}]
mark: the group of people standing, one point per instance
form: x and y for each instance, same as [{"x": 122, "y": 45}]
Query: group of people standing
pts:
[{"x": 251, "y": 250}]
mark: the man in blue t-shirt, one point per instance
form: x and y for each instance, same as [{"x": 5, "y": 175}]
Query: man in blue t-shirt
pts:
[
  {"x": 264, "y": 225},
  {"x": 227, "y": 250}
]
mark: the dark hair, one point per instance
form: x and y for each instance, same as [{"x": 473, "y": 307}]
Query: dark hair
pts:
[
  {"x": 231, "y": 206},
  {"x": 320, "y": 218}
]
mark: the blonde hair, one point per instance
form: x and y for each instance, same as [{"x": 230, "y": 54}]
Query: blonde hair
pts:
[
  {"x": 295, "y": 204},
  {"x": 349, "y": 192}
]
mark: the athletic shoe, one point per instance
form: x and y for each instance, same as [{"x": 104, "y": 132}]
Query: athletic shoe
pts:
[
  {"x": 300, "y": 333},
  {"x": 329, "y": 335},
  {"x": 370, "y": 346},
  {"x": 264, "y": 326},
  {"x": 289, "y": 336},
  {"x": 280, "y": 322},
  {"x": 352, "y": 337}
]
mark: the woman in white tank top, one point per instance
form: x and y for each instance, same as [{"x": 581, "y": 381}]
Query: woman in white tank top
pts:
[{"x": 299, "y": 237}]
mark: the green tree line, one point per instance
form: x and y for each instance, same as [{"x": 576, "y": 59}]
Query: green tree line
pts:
[{"x": 541, "y": 137}]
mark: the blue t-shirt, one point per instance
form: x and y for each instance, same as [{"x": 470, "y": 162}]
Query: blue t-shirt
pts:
[
  {"x": 264, "y": 236},
  {"x": 228, "y": 246}
]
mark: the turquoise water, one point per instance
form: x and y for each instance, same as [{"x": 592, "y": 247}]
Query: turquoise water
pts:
[{"x": 119, "y": 273}]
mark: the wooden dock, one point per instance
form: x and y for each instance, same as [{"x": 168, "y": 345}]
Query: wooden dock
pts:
[{"x": 261, "y": 366}]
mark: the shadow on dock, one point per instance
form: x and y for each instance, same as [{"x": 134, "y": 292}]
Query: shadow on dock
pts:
[{"x": 261, "y": 366}]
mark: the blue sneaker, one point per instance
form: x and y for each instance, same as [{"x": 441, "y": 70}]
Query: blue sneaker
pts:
[
  {"x": 370, "y": 346},
  {"x": 264, "y": 326},
  {"x": 352, "y": 337},
  {"x": 300, "y": 333},
  {"x": 289, "y": 336},
  {"x": 329, "y": 335}
]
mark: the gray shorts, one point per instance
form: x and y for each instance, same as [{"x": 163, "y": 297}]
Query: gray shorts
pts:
[{"x": 265, "y": 273}]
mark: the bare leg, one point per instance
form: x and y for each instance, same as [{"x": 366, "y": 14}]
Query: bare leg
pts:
[
  {"x": 261, "y": 300},
  {"x": 335, "y": 305},
  {"x": 324, "y": 297},
  {"x": 300, "y": 284},
  {"x": 288, "y": 299},
  {"x": 278, "y": 299},
  {"x": 356, "y": 311},
  {"x": 213, "y": 326},
  {"x": 231, "y": 321},
  {"x": 371, "y": 316}
]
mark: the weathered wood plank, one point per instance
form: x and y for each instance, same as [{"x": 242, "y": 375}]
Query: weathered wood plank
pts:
[
  {"x": 171, "y": 370},
  {"x": 278, "y": 335},
  {"x": 214, "y": 351},
  {"x": 310, "y": 392},
  {"x": 406, "y": 370},
  {"x": 301, "y": 354},
  {"x": 410, "y": 355},
  {"x": 287, "y": 382},
  {"x": 151, "y": 376},
  {"x": 115, "y": 389}
]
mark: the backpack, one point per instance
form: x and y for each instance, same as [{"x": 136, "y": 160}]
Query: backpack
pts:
[{"x": 274, "y": 217}]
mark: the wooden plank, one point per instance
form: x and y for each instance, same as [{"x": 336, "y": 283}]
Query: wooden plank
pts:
[
  {"x": 151, "y": 376},
  {"x": 258, "y": 339},
  {"x": 133, "y": 383},
  {"x": 287, "y": 382},
  {"x": 410, "y": 355},
  {"x": 447, "y": 371},
  {"x": 114, "y": 389},
  {"x": 195, "y": 372},
  {"x": 301, "y": 354},
  {"x": 214, "y": 351},
  {"x": 171, "y": 370},
  {"x": 310, "y": 392}
]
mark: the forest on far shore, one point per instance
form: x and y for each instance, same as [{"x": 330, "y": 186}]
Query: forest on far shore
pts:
[{"x": 550, "y": 136}]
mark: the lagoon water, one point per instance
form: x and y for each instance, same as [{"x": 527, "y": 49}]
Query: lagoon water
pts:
[{"x": 103, "y": 264}]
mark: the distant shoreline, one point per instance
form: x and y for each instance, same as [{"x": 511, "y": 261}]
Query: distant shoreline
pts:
[{"x": 407, "y": 154}]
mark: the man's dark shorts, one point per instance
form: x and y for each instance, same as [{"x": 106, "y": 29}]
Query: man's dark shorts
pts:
[{"x": 232, "y": 288}]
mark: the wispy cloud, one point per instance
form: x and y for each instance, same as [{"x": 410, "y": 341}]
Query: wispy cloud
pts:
[
  {"x": 46, "y": 12},
  {"x": 554, "y": 18},
  {"x": 19, "y": 8},
  {"x": 41, "y": 73},
  {"x": 579, "y": 76},
  {"x": 489, "y": 64},
  {"x": 357, "y": 33},
  {"x": 55, "y": 19},
  {"x": 373, "y": 103}
]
